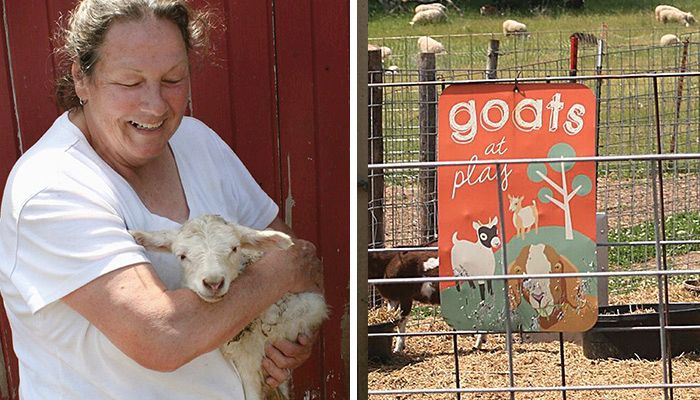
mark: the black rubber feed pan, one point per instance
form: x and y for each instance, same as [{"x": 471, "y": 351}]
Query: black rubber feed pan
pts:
[
  {"x": 379, "y": 347},
  {"x": 599, "y": 343}
]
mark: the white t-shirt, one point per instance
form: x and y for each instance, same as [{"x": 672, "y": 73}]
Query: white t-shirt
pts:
[{"x": 63, "y": 222}]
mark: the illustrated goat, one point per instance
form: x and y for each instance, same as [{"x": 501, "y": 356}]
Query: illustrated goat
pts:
[
  {"x": 477, "y": 258},
  {"x": 523, "y": 217},
  {"x": 561, "y": 304}
]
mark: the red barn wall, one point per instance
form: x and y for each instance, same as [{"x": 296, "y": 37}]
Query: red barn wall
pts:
[{"x": 277, "y": 92}]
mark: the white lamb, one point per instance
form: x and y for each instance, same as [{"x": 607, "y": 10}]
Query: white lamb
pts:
[
  {"x": 669, "y": 40},
  {"x": 430, "y": 16},
  {"x": 512, "y": 27},
  {"x": 671, "y": 15},
  {"x": 212, "y": 253},
  {"x": 430, "y": 6},
  {"x": 426, "y": 44}
]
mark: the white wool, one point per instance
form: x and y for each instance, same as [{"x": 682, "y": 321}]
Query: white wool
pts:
[
  {"x": 669, "y": 39},
  {"x": 430, "y": 6},
  {"x": 675, "y": 15},
  {"x": 429, "y": 16},
  {"x": 513, "y": 27},
  {"x": 661, "y": 7},
  {"x": 426, "y": 44}
]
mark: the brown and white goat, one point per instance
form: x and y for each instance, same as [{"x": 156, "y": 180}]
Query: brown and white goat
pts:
[{"x": 407, "y": 264}]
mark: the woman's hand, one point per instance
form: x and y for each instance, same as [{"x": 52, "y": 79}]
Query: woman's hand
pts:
[
  {"x": 283, "y": 356},
  {"x": 308, "y": 271}
]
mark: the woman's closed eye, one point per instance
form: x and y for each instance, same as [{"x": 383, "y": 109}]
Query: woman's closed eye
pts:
[
  {"x": 128, "y": 83},
  {"x": 173, "y": 81}
]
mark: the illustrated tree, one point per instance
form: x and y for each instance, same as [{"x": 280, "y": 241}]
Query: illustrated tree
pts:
[{"x": 580, "y": 185}]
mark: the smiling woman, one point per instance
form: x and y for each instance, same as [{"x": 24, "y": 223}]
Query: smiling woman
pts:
[{"x": 92, "y": 311}]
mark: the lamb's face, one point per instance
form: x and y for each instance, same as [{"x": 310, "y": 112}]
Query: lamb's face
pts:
[
  {"x": 212, "y": 252},
  {"x": 211, "y": 257}
]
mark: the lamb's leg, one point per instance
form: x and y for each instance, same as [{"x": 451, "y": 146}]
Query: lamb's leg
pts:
[
  {"x": 284, "y": 389},
  {"x": 252, "y": 379},
  {"x": 480, "y": 340},
  {"x": 482, "y": 288},
  {"x": 489, "y": 284},
  {"x": 281, "y": 392}
]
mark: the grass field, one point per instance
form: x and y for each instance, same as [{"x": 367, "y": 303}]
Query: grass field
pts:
[{"x": 622, "y": 14}]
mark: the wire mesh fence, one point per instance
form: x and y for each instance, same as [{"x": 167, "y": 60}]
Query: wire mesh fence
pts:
[{"x": 647, "y": 104}]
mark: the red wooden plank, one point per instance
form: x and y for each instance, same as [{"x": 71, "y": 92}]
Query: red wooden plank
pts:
[
  {"x": 32, "y": 67},
  {"x": 210, "y": 84},
  {"x": 331, "y": 41},
  {"x": 295, "y": 76},
  {"x": 251, "y": 87}
]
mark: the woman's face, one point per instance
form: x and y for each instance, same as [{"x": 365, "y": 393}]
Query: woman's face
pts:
[{"x": 137, "y": 94}]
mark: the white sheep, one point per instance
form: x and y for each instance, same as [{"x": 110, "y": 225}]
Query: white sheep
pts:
[
  {"x": 671, "y": 15},
  {"x": 661, "y": 7},
  {"x": 512, "y": 27},
  {"x": 212, "y": 253},
  {"x": 426, "y": 44},
  {"x": 430, "y": 6},
  {"x": 669, "y": 40},
  {"x": 430, "y": 16},
  {"x": 476, "y": 258}
]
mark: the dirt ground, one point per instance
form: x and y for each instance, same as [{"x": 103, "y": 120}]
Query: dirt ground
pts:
[{"x": 429, "y": 363}]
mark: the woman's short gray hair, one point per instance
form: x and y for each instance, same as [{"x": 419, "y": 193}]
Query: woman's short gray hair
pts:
[{"x": 87, "y": 24}]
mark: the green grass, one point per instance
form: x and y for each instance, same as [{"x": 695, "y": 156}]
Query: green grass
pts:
[
  {"x": 681, "y": 226},
  {"x": 420, "y": 312},
  {"x": 627, "y": 107}
]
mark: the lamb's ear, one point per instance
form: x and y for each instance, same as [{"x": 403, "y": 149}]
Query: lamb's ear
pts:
[
  {"x": 264, "y": 240},
  {"x": 154, "y": 241}
]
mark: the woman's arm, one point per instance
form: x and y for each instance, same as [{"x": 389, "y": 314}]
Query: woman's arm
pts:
[{"x": 164, "y": 329}]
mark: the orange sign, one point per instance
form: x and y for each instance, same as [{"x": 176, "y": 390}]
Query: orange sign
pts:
[{"x": 548, "y": 224}]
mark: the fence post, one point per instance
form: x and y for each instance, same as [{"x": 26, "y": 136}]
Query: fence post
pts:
[
  {"x": 598, "y": 87},
  {"x": 428, "y": 134},
  {"x": 375, "y": 143},
  {"x": 679, "y": 96},
  {"x": 573, "y": 57},
  {"x": 492, "y": 59}
]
